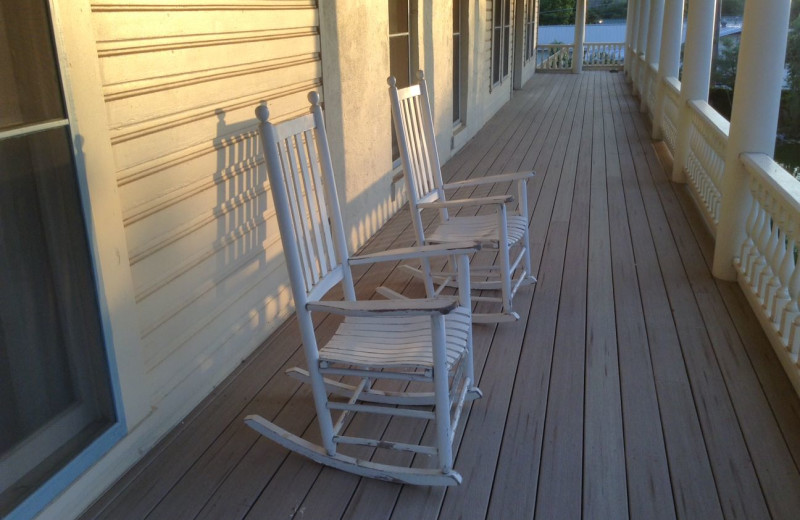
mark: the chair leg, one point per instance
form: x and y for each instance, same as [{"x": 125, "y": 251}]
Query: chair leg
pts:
[
  {"x": 526, "y": 243},
  {"x": 430, "y": 288},
  {"x": 505, "y": 262},
  {"x": 318, "y": 390},
  {"x": 441, "y": 389}
]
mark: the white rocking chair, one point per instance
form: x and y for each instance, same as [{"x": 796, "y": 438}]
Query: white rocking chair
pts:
[
  {"x": 427, "y": 341},
  {"x": 505, "y": 231}
]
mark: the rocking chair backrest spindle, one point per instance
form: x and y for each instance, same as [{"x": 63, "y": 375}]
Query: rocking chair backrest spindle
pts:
[
  {"x": 417, "y": 143},
  {"x": 301, "y": 174}
]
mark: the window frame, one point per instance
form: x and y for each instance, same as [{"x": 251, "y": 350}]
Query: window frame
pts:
[{"x": 501, "y": 36}]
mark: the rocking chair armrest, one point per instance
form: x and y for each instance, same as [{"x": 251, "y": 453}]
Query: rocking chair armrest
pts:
[
  {"x": 417, "y": 252},
  {"x": 463, "y": 203},
  {"x": 411, "y": 307},
  {"x": 491, "y": 179}
]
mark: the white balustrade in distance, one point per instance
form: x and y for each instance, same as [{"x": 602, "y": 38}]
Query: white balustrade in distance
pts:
[
  {"x": 603, "y": 55},
  {"x": 554, "y": 56},
  {"x": 708, "y": 138}
]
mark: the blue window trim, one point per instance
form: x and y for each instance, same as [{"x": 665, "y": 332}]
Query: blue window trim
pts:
[{"x": 63, "y": 478}]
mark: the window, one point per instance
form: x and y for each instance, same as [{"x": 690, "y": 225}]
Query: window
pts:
[
  {"x": 501, "y": 40},
  {"x": 457, "y": 65},
  {"x": 55, "y": 396},
  {"x": 401, "y": 28},
  {"x": 530, "y": 30}
]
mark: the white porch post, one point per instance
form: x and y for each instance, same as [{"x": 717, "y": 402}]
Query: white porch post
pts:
[
  {"x": 754, "y": 119},
  {"x": 580, "y": 35},
  {"x": 696, "y": 75},
  {"x": 653, "y": 48},
  {"x": 641, "y": 45},
  {"x": 670, "y": 59},
  {"x": 632, "y": 33}
]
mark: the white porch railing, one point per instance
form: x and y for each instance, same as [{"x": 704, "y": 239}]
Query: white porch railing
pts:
[
  {"x": 652, "y": 78},
  {"x": 708, "y": 138},
  {"x": 555, "y": 56},
  {"x": 767, "y": 266},
  {"x": 603, "y": 55},
  {"x": 669, "y": 125}
]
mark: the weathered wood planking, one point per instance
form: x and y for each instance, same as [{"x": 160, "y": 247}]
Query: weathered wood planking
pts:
[
  {"x": 608, "y": 197},
  {"x": 778, "y": 479},
  {"x": 605, "y": 492},
  {"x": 690, "y": 471},
  {"x": 649, "y": 491}
]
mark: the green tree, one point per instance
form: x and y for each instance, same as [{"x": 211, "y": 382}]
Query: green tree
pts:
[
  {"x": 724, "y": 73},
  {"x": 732, "y": 7},
  {"x": 791, "y": 112},
  {"x": 556, "y": 12}
]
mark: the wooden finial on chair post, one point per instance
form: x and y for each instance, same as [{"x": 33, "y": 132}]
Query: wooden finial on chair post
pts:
[
  {"x": 421, "y": 75},
  {"x": 391, "y": 81},
  {"x": 262, "y": 112},
  {"x": 313, "y": 97}
]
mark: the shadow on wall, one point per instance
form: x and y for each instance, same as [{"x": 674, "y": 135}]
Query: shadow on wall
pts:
[
  {"x": 247, "y": 244},
  {"x": 249, "y": 254}
]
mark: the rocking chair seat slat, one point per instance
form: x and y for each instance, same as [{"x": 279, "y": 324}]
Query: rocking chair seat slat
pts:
[
  {"x": 355, "y": 344},
  {"x": 479, "y": 227}
]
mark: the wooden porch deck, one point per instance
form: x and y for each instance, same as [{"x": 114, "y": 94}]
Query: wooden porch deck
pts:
[{"x": 635, "y": 385}]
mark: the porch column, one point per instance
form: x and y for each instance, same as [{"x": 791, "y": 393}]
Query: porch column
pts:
[
  {"x": 670, "y": 58},
  {"x": 631, "y": 35},
  {"x": 754, "y": 119},
  {"x": 641, "y": 45},
  {"x": 696, "y": 75},
  {"x": 653, "y": 48},
  {"x": 580, "y": 35}
]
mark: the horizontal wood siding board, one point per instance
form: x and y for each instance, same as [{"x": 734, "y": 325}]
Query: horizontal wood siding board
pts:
[{"x": 181, "y": 82}]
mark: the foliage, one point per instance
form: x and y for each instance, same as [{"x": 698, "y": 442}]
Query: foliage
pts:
[
  {"x": 556, "y": 12},
  {"x": 724, "y": 73},
  {"x": 791, "y": 116},
  {"x": 732, "y": 7},
  {"x": 606, "y": 10},
  {"x": 562, "y": 12}
]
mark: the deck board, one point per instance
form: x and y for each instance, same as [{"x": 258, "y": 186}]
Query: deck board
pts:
[{"x": 633, "y": 386}]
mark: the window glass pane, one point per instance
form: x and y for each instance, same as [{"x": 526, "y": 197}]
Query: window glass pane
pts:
[
  {"x": 399, "y": 60},
  {"x": 506, "y": 12},
  {"x": 29, "y": 84},
  {"x": 53, "y": 368},
  {"x": 55, "y": 391},
  {"x": 456, "y": 77},
  {"x": 496, "y": 55},
  {"x": 497, "y": 13},
  {"x": 506, "y": 51},
  {"x": 456, "y": 16},
  {"x": 398, "y": 16}
]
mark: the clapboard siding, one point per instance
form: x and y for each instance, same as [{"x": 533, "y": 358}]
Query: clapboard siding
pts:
[{"x": 180, "y": 82}]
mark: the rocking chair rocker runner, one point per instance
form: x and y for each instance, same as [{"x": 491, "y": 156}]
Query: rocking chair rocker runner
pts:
[
  {"x": 504, "y": 231},
  {"x": 427, "y": 342}
]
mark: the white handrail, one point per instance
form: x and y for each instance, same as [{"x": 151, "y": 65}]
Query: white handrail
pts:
[
  {"x": 672, "y": 97},
  {"x": 767, "y": 264},
  {"x": 705, "y": 164}
]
